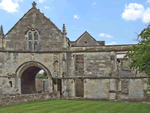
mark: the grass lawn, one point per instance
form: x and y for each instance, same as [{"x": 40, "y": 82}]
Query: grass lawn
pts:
[{"x": 72, "y": 106}]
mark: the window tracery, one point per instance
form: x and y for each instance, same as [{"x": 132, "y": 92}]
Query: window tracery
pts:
[{"x": 32, "y": 40}]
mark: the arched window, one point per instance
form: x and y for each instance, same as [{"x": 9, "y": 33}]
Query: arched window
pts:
[
  {"x": 30, "y": 46},
  {"x": 30, "y": 36},
  {"x": 35, "y": 36},
  {"x": 35, "y": 46},
  {"x": 32, "y": 43}
]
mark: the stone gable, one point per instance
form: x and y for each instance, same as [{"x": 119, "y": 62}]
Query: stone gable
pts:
[
  {"x": 86, "y": 40},
  {"x": 50, "y": 36}
]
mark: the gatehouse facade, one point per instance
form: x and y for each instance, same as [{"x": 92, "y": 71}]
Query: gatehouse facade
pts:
[{"x": 84, "y": 68}]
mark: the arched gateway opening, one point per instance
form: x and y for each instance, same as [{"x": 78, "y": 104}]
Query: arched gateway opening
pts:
[
  {"x": 28, "y": 82},
  {"x": 27, "y": 77}
]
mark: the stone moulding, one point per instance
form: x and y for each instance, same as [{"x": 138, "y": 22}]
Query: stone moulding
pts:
[
  {"x": 80, "y": 49},
  {"x": 112, "y": 91},
  {"x": 104, "y": 77}
]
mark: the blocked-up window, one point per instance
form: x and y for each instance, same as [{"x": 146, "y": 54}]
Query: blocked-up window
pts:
[
  {"x": 56, "y": 66},
  {"x": 79, "y": 63},
  {"x": 125, "y": 86}
]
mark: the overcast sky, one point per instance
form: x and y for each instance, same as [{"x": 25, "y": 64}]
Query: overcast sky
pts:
[{"x": 112, "y": 21}]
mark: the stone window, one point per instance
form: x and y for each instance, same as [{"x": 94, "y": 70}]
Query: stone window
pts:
[
  {"x": 79, "y": 63},
  {"x": 35, "y": 46},
  {"x": 35, "y": 36},
  {"x": 33, "y": 40},
  {"x": 30, "y": 46},
  {"x": 30, "y": 36}
]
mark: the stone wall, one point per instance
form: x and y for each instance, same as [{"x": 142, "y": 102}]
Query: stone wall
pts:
[
  {"x": 132, "y": 88},
  {"x": 95, "y": 64},
  {"x": 96, "y": 88},
  {"x": 136, "y": 88},
  {"x": 8, "y": 85},
  {"x": 71, "y": 87},
  {"x": 25, "y": 98},
  {"x": 13, "y": 60},
  {"x": 110, "y": 88},
  {"x": 1, "y": 62},
  {"x": 123, "y": 69},
  {"x": 50, "y": 36},
  {"x": 39, "y": 84}
]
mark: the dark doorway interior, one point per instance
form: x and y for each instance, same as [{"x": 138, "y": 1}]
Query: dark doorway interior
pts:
[
  {"x": 28, "y": 80},
  {"x": 79, "y": 88},
  {"x": 43, "y": 86},
  {"x": 59, "y": 86}
]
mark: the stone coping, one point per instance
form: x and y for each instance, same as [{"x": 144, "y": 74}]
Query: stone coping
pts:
[
  {"x": 88, "y": 77},
  {"x": 80, "y": 49},
  {"x": 103, "y": 77}
]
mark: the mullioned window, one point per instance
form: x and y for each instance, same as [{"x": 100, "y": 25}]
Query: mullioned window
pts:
[{"x": 33, "y": 40}]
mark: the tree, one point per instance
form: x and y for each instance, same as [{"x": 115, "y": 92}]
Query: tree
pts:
[{"x": 140, "y": 53}]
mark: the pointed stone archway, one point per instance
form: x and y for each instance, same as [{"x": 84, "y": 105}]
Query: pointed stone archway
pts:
[{"x": 26, "y": 77}]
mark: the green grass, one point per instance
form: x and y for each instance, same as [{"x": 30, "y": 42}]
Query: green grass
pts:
[{"x": 73, "y": 106}]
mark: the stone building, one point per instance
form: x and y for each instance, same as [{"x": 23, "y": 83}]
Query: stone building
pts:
[{"x": 84, "y": 68}]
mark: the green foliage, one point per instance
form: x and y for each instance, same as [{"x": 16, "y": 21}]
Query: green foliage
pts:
[
  {"x": 40, "y": 91},
  {"x": 55, "y": 80},
  {"x": 140, "y": 54},
  {"x": 41, "y": 76}
]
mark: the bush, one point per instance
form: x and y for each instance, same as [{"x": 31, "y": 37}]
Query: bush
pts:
[
  {"x": 55, "y": 80},
  {"x": 40, "y": 91},
  {"x": 41, "y": 76}
]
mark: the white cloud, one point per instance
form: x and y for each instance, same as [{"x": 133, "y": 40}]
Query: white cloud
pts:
[
  {"x": 41, "y": 1},
  {"x": 105, "y": 35},
  {"x": 133, "y": 11},
  {"x": 146, "y": 16},
  {"x": 10, "y": 5},
  {"x": 93, "y": 3},
  {"x": 148, "y": 1},
  {"x": 76, "y": 16},
  {"x": 111, "y": 43},
  {"x": 46, "y": 7},
  {"x": 41, "y": 71}
]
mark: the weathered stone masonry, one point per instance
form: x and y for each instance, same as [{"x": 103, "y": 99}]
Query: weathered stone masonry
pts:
[{"x": 84, "y": 68}]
